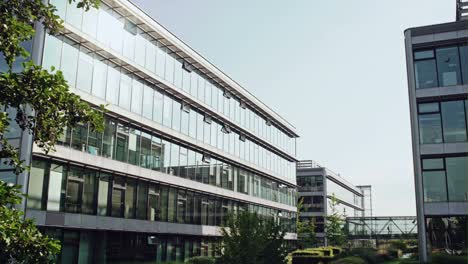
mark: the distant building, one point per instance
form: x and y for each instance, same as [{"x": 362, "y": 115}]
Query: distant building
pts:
[
  {"x": 316, "y": 185},
  {"x": 437, "y": 66}
]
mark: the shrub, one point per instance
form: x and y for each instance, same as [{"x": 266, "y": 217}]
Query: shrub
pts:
[
  {"x": 399, "y": 244},
  {"x": 349, "y": 260},
  {"x": 201, "y": 260},
  {"x": 444, "y": 258},
  {"x": 368, "y": 254}
]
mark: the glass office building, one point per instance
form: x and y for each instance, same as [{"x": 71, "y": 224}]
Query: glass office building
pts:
[
  {"x": 316, "y": 186},
  {"x": 183, "y": 145},
  {"x": 437, "y": 66}
]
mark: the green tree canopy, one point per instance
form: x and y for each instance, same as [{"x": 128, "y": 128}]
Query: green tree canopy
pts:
[
  {"x": 336, "y": 235},
  {"x": 250, "y": 239}
]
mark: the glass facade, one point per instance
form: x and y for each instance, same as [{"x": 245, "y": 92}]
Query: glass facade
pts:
[
  {"x": 111, "y": 29},
  {"x": 122, "y": 142},
  {"x": 74, "y": 189},
  {"x": 444, "y": 179},
  {"x": 87, "y": 246},
  {"x": 447, "y": 233},
  {"x": 310, "y": 183},
  {"x": 443, "y": 66},
  {"x": 443, "y": 122},
  {"x": 116, "y": 86}
]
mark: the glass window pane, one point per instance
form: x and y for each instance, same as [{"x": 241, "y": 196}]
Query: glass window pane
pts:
[
  {"x": 90, "y": 20},
  {"x": 457, "y": 180},
  {"x": 137, "y": 96},
  {"x": 113, "y": 82},
  {"x": 431, "y": 164},
  {"x": 430, "y": 129},
  {"x": 156, "y": 153},
  {"x": 453, "y": 116},
  {"x": 160, "y": 60},
  {"x": 134, "y": 146},
  {"x": 167, "y": 111},
  {"x": 184, "y": 122},
  {"x": 99, "y": 77},
  {"x": 427, "y": 54},
  {"x": 448, "y": 66},
  {"x": 129, "y": 33},
  {"x": 103, "y": 193},
  {"x": 109, "y": 139},
  {"x": 148, "y": 102},
  {"x": 36, "y": 184},
  {"x": 426, "y": 74},
  {"x": 125, "y": 91},
  {"x": 130, "y": 197},
  {"x": 150, "y": 57},
  {"x": 140, "y": 48},
  {"x": 142, "y": 200},
  {"x": 121, "y": 146},
  {"x": 169, "y": 72},
  {"x": 74, "y": 15},
  {"x": 434, "y": 186},
  {"x": 90, "y": 178},
  {"x": 178, "y": 74},
  {"x": 158, "y": 106},
  {"x": 428, "y": 108},
  {"x": 193, "y": 124},
  {"x": 176, "y": 112},
  {"x": 69, "y": 63},
  {"x": 52, "y": 52},
  {"x": 464, "y": 63},
  {"x": 85, "y": 71}
]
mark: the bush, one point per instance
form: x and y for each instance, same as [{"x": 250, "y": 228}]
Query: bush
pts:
[
  {"x": 201, "y": 260},
  {"x": 399, "y": 244},
  {"x": 368, "y": 254},
  {"x": 444, "y": 258},
  {"x": 349, "y": 260}
]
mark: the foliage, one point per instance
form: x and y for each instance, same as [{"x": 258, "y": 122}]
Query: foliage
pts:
[
  {"x": 399, "y": 244},
  {"x": 46, "y": 93},
  {"x": 201, "y": 260},
  {"x": 305, "y": 229},
  {"x": 441, "y": 258},
  {"x": 44, "y": 107},
  {"x": 368, "y": 254},
  {"x": 349, "y": 260},
  {"x": 250, "y": 239},
  {"x": 335, "y": 232},
  {"x": 20, "y": 240}
]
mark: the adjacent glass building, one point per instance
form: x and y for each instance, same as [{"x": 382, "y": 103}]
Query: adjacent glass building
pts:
[
  {"x": 183, "y": 146},
  {"x": 437, "y": 66},
  {"x": 316, "y": 186}
]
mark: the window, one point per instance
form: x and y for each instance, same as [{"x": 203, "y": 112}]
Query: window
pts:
[
  {"x": 69, "y": 62},
  {"x": 148, "y": 102},
  {"x": 453, "y": 117},
  {"x": 434, "y": 180},
  {"x": 158, "y": 106},
  {"x": 130, "y": 198},
  {"x": 425, "y": 69},
  {"x": 464, "y": 63},
  {"x": 142, "y": 200},
  {"x": 85, "y": 71},
  {"x": 90, "y": 21},
  {"x": 167, "y": 111},
  {"x": 103, "y": 193},
  {"x": 457, "y": 180},
  {"x": 176, "y": 112},
  {"x": 430, "y": 128},
  {"x": 448, "y": 66},
  {"x": 99, "y": 77},
  {"x": 125, "y": 93},
  {"x": 36, "y": 181},
  {"x": 113, "y": 82},
  {"x": 134, "y": 146},
  {"x": 137, "y": 96}
]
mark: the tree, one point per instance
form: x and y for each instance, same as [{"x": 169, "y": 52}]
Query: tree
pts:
[
  {"x": 249, "y": 239},
  {"x": 305, "y": 229},
  {"x": 21, "y": 241},
  {"x": 335, "y": 232},
  {"x": 44, "y": 107}
]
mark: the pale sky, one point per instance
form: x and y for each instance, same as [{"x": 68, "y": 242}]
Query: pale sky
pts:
[{"x": 335, "y": 69}]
